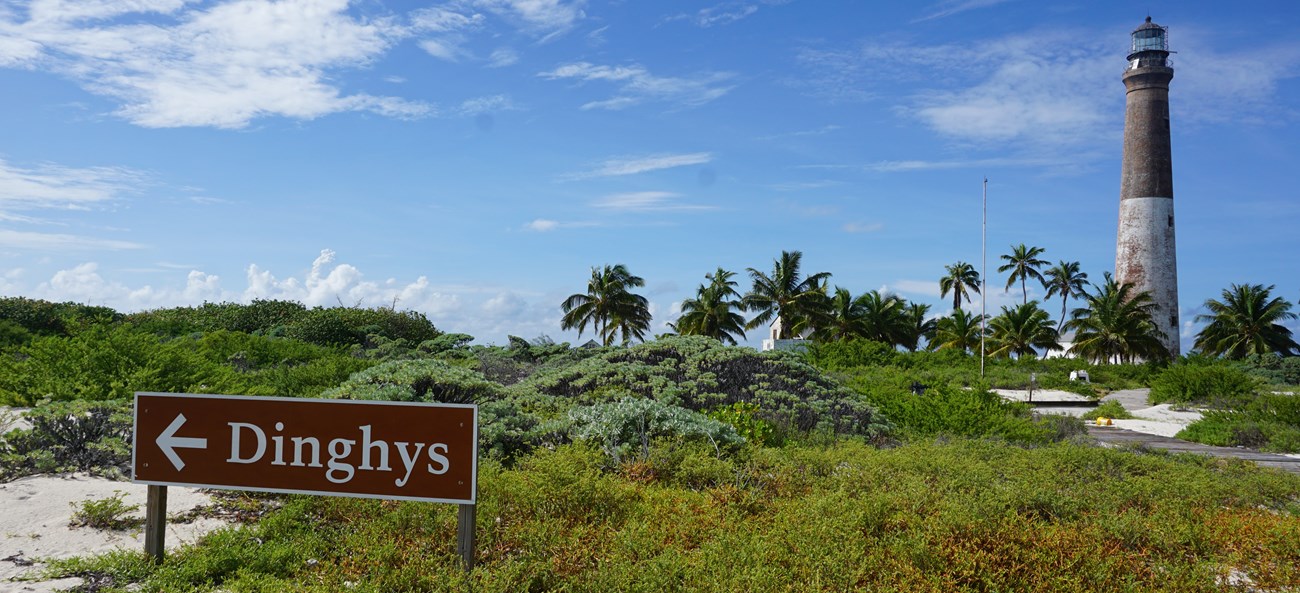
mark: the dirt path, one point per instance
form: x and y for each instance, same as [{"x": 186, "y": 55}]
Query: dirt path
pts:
[{"x": 1118, "y": 437}]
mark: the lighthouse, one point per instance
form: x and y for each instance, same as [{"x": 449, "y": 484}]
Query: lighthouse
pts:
[{"x": 1144, "y": 249}]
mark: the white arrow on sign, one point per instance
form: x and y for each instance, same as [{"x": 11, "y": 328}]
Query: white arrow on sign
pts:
[{"x": 169, "y": 442}]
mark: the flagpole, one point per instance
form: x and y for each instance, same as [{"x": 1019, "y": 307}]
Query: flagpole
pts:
[{"x": 984, "y": 283}]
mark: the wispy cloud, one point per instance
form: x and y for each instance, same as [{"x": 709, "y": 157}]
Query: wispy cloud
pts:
[
  {"x": 549, "y": 18},
  {"x": 55, "y": 186},
  {"x": 29, "y": 241},
  {"x": 922, "y": 165},
  {"x": 724, "y": 13},
  {"x": 822, "y": 131},
  {"x": 950, "y": 7},
  {"x": 647, "y": 201},
  {"x": 492, "y": 104},
  {"x": 502, "y": 57},
  {"x": 220, "y": 65},
  {"x": 544, "y": 225},
  {"x": 637, "y": 85},
  {"x": 863, "y": 227},
  {"x": 642, "y": 164}
]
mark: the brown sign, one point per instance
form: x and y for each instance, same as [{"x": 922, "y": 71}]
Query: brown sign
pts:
[{"x": 414, "y": 451}]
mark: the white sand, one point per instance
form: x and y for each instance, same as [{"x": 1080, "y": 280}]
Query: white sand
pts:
[
  {"x": 37, "y": 509},
  {"x": 12, "y": 418},
  {"x": 1047, "y": 395},
  {"x": 1161, "y": 420}
]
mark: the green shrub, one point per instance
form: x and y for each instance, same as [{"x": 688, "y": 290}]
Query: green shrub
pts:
[
  {"x": 1108, "y": 409},
  {"x": 743, "y": 416},
  {"x": 1203, "y": 382},
  {"x": 624, "y": 429},
  {"x": 67, "y": 437},
  {"x": 700, "y": 374},
  {"x": 12, "y": 334},
  {"x": 106, "y": 513},
  {"x": 1270, "y": 422},
  {"x": 949, "y": 410},
  {"x": 418, "y": 381}
]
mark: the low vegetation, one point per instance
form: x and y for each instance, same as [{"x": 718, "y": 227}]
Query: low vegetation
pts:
[
  {"x": 966, "y": 515},
  {"x": 648, "y": 467}
]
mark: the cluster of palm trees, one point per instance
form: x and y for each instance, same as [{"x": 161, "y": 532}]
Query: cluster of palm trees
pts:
[{"x": 1115, "y": 323}]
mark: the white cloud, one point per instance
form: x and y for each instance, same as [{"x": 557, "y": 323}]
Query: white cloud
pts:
[
  {"x": 53, "y": 186},
  {"x": 29, "y": 241},
  {"x": 641, "y": 164},
  {"x": 547, "y": 17},
  {"x": 929, "y": 288},
  {"x": 502, "y": 57},
  {"x": 950, "y": 7},
  {"x": 646, "y": 201},
  {"x": 478, "y": 105},
  {"x": 542, "y": 225},
  {"x": 221, "y": 65},
  {"x": 863, "y": 227},
  {"x": 637, "y": 85}
]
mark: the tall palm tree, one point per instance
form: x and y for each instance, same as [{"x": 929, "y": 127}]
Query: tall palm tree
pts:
[
  {"x": 1246, "y": 322},
  {"x": 713, "y": 311},
  {"x": 844, "y": 320},
  {"x": 609, "y": 306},
  {"x": 1066, "y": 280},
  {"x": 916, "y": 326},
  {"x": 1116, "y": 325},
  {"x": 798, "y": 302},
  {"x": 961, "y": 330},
  {"x": 1020, "y": 330},
  {"x": 883, "y": 318},
  {"x": 1023, "y": 263},
  {"x": 961, "y": 279}
]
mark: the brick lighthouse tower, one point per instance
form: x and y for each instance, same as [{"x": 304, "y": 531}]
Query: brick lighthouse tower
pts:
[{"x": 1144, "y": 249}]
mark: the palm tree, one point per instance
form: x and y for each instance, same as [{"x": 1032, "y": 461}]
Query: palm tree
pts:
[
  {"x": 1116, "y": 325},
  {"x": 961, "y": 330},
  {"x": 1023, "y": 263},
  {"x": 916, "y": 325},
  {"x": 962, "y": 279},
  {"x": 1020, "y": 330},
  {"x": 844, "y": 320},
  {"x": 1246, "y": 322},
  {"x": 1066, "y": 280},
  {"x": 883, "y": 318},
  {"x": 797, "y": 302},
  {"x": 713, "y": 311},
  {"x": 608, "y": 306}
]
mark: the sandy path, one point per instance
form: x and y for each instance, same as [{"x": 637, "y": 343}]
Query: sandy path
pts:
[{"x": 37, "y": 509}]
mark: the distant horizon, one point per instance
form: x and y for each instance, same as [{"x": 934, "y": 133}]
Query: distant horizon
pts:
[{"x": 473, "y": 160}]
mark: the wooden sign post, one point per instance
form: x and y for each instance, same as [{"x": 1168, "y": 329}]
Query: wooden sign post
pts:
[{"x": 389, "y": 450}]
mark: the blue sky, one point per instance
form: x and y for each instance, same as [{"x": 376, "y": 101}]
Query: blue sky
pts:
[{"x": 474, "y": 159}]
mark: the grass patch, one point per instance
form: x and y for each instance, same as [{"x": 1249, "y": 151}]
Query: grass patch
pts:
[
  {"x": 1109, "y": 409},
  {"x": 965, "y": 515},
  {"x": 1269, "y": 422},
  {"x": 106, "y": 513}
]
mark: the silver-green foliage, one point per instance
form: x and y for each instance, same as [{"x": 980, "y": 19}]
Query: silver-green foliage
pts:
[
  {"x": 701, "y": 374},
  {"x": 627, "y": 427},
  {"x": 418, "y": 381}
]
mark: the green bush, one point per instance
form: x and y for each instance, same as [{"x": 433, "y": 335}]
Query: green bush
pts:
[
  {"x": 624, "y": 429},
  {"x": 68, "y": 437},
  {"x": 954, "y": 411},
  {"x": 106, "y": 513},
  {"x": 700, "y": 374},
  {"x": 1109, "y": 409},
  {"x": 1269, "y": 421},
  {"x": 1211, "y": 383},
  {"x": 12, "y": 334},
  {"x": 418, "y": 381},
  {"x": 44, "y": 318}
]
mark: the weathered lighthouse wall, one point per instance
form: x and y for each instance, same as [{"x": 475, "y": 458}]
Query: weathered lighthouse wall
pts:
[{"x": 1145, "y": 250}]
